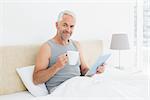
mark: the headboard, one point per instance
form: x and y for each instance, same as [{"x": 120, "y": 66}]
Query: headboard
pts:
[{"x": 12, "y": 57}]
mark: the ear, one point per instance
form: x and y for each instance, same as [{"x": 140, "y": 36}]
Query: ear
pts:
[{"x": 56, "y": 24}]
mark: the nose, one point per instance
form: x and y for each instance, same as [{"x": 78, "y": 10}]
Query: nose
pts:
[{"x": 68, "y": 29}]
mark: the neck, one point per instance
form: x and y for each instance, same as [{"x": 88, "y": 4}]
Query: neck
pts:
[{"x": 59, "y": 40}]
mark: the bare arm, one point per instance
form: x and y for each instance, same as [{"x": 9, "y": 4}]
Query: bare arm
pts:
[{"x": 41, "y": 72}]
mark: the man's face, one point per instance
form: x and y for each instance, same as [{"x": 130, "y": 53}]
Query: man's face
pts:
[{"x": 65, "y": 27}]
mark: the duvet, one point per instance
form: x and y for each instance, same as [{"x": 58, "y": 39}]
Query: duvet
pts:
[{"x": 98, "y": 87}]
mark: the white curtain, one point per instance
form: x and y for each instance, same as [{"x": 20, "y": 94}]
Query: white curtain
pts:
[{"x": 142, "y": 35}]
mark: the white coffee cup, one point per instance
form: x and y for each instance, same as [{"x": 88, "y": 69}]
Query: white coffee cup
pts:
[{"x": 73, "y": 57}]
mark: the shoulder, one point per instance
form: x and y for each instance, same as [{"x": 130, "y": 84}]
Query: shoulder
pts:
[
  {"x": 45, "y": 49},
  {"x": 45, "y": 46}
]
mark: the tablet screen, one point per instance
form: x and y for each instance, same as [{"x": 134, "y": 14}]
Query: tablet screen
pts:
[{"x": 101, "y": 60}]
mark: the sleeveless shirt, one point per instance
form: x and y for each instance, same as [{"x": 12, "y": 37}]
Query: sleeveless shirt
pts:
[{"x": 68, "y": 71}]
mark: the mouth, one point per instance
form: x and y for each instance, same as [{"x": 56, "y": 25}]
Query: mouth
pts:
[{"x": 66, "y": 34}]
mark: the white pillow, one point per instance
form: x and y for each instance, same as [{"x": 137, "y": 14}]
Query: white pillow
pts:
[{"x": 26, "y": 76}]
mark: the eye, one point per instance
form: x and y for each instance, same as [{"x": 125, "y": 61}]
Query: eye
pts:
[
  {"x": 72, "y": 26},
  {"x": 65, "y": 25}
]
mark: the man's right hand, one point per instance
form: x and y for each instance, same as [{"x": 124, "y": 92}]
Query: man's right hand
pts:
[{"x": 61, "y": 61}]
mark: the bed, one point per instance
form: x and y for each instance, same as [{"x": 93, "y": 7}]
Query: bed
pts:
[
  {"x": 113, "y": 84},
  {"x": 107, "y": 86}
]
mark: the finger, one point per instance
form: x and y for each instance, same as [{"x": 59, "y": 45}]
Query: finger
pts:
[
  {"x": 98, "y": 69},
  {"x": 98, "y": 72},
  {"x": 104, "y": 64},
  {"x": 102, "y": 67},
  {"x": 65, "y": 54},
  {"x": 65, "y": 60},
  {"x": 101, "y": 70}
]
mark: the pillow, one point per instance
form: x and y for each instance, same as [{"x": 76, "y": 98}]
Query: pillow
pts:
[{"x": 25, "y": 74}]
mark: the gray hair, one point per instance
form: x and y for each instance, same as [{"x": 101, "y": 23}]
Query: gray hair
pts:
[{"x": 66, "y": 12}]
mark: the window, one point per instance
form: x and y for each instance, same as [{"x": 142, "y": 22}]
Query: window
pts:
[
  {"x": 146, "y": 23},
  {"x": 142, "y": 33}
]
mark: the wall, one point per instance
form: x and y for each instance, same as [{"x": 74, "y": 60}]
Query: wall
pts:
[{"x": 33, "y": 21}]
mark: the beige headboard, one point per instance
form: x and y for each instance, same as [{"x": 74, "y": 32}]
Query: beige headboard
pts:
[{"x": 12, "y": 57}]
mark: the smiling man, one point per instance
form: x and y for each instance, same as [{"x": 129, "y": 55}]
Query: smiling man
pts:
[{"x": 51, "y": 65}]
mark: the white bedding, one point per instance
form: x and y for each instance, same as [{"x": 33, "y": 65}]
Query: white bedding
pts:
[
  {"x": 98, "y": 87},
  {"x": 111, "y": 85}
]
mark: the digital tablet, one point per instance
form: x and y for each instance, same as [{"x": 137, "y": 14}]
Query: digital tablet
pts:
[{"x": 101, "y": 60}]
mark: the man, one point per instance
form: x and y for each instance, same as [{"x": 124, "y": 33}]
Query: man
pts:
[{"x": 52, "y": 66}]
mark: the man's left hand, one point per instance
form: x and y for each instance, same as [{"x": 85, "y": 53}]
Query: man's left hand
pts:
[{"x": 100, "y": 69}]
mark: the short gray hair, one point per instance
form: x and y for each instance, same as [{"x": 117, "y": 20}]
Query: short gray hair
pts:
[{"x": 66, "y": 12}]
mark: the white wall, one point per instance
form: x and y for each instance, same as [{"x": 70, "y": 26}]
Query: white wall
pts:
[
  {"x": 28, "y": 22},
  {"x": 34, "y": 22}
]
